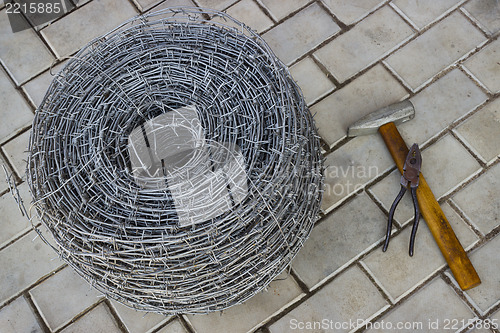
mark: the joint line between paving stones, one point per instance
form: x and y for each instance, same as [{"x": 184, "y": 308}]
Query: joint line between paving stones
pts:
[
  {"x": 465, "y": 218},
  {"x": 266, "y": 12},
  {"x": 38, "y": 315},
  {"x": 17, "y": 87},
  {"x": 460, "y": 293},
  {"x": 469, "y": 148},
  {"x": 475, "y": 80},
  {"x": 187, "y": 324},
  {"x": 472, "y": 21},
  {"x": 299, "y": 300},
  {"x": 19, "y": 236},
  {"x": 80, "y": 315},
  {"x": 37, "y": 282},
  {"x": 115, "y": 315},
  {"x": 375, "y": 283},
  {"x": 164, "y": 323}
]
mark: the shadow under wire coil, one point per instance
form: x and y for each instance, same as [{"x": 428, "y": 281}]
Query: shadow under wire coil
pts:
[{"x": 125, "y": 239}]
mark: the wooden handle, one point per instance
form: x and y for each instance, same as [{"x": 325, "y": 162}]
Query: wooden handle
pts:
[{"x": 450, "y": 247}]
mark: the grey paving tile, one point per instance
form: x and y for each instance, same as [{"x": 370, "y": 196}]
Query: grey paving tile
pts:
[
  {"x": 487, "y": 263},
  {"x": 63, "y": 296},
  {"x": 363, "y": 45},
  {"x": 486, "y": 13},
  {"x": 99, "y": 319},
  {"x": 482, "y": 131},
  {"x": 144, "y": 5},
  {"x": 248, "y": 12},
  {"x": 445, "y": 164},
  {"x": 171, "y": 3},
  {"x": 13, "y": 224},
  {"x": 436, "y": 49},
  {"x": 173, "y": 327},
  {"x": 339, "y": 239},
  {"x": 215, "y": 4},
  {"x": 18, "y": 317},
  {"x": 495, "y": 320},
  {"x": 351, "y": 11},
  {"x": 398, "y": 273},
  {"x": 311, "y": 80},
  {"x": 436, "y": 303},
  {"x": 280, "y": 9},
  {"x": 23, "y": 263},
  {"x": 350, "y": 297},
  {"x": 37, "y": 87},
  {"x": 424, "y": 12},
  {"x": 138, "y": 321},
  {"x": 485, "y": 66},
  {"x": 15, "y": 112},
  {"x": 16, "y": 152},
  {"x": 23, "y": 53},
  {"x": 479, "y": 200},
  {"x": 244, "y": 317},
  {"x": 374, "y": 89},
  {"x": 290, "y": 40},
  {"x": 350, "y": 167},
  {"x": 75, "y": 30},
  {"x": 3, "y": 181},
  {"x": 448, "y": 99}
]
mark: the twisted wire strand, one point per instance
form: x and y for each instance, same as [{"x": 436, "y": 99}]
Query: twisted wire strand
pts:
[{"x": 124, "y": 238}]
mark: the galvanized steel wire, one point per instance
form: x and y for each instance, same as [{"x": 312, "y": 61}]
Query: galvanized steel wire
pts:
[{"x": 125, "y": 239}]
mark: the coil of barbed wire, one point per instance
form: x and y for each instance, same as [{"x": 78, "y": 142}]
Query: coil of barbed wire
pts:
[{"x": 254, "y": 163}]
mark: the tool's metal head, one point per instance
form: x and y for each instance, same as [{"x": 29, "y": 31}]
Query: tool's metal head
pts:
[{"x": 397, "y": 113}]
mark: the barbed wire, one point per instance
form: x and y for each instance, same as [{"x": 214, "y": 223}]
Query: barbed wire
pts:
[{"x": 208, "y": 228}]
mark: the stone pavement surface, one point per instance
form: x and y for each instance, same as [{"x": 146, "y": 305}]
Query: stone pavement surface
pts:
[{"x": 349, "y": 57}]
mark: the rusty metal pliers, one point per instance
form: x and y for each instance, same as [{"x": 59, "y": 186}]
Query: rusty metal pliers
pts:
[{"x": 411, "y": 172}]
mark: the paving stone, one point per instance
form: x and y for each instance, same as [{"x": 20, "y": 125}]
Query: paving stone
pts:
[
  {"x": 37, "y": 88},
  {"x": 351, "y": 296},
  {"x": 244, "y": 317},
  {"x": 479, "y": 200},
  {"x": 248, "y": 12},
  {"x": 3, "y": 181},
  {"x": 13, "y": 223},
  {"x": 215, "y": 4},
  {"x": 350, "y": 167},
  {"x": 23, "y": 263},
  {"x": 447, "y": 100},
  {"x": 145, "y": 5},
  {"x": 75, "y": 30},
  {"x": 397, "y": 272},
  {"x": 446, "y": 164},
  {"x": 18, "y": 317},
  {"x": 487, "y": 264},
  {"x": 482, "y": 131},
  {"x": 173, "y": 327},
  {"x": 279, "y": 9},
  {"x": 374, "y": 89},
  {"x": 436, "y": 302},
  {"x": 63, "y": 296},
  {"x": 23, "y": 53},
  {"x": 485, "y": 66},
  {"x": 171, "y": 3},
  {"x": 363, "y": 45},
  {"x": 16, "y": 151},
  {"x": 495, "y": 320},
  {"x": 486, "y": 13},
  {"x": 436, "y": 49},
  {"x": 423, "y": 12},
  {"x": 138, "y": 321},
  {"x": 15, "y": 112},
  {"x": 339, "y": 239},
  {"x": 351, "y": 11},
  {"x": 100, "y": 319},
  {"x": 290, "y": 40},
  {"x": 311, "y": 80}
]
